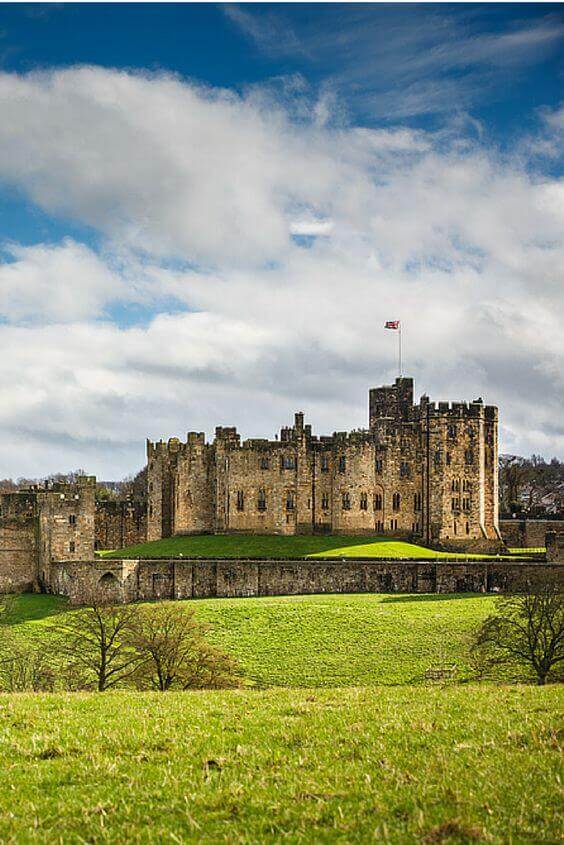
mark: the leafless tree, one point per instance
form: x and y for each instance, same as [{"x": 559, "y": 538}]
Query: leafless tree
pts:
[
  {"x": 94, "y": 643},
  {"x": 174, "y": 653},
  {"x": 25, "y": 664},
  {"x": 526, "y": 632}
]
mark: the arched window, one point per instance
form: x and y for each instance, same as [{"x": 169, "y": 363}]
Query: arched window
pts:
[
  {"x": 261, "y": 502},
  {"x": 396, "y": 501},
  {"x": 377, "y": 501},
  {"x": 364, "y": 501}
]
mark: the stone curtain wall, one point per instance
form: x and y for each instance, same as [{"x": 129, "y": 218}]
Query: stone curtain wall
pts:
[
  {"x": 120, "y": 524},
  {"x": 528, "y": 533},
  {"x": 18, "y": 542},
  {"x": 161, "y": 579}
]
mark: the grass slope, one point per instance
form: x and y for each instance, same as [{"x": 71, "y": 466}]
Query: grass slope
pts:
[
  {"x": 397, "y": 765},
  {"x": 276, "y": 546},
  {"x": 329, "y": 640}
]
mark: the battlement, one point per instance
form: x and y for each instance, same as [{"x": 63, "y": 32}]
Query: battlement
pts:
[{"x": 456, "y": 410}]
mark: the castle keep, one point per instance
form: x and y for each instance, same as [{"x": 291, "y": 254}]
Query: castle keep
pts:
[{"x": 423, "y": 470}]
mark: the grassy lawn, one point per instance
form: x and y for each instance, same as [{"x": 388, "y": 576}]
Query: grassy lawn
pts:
[
  {"x": 401, "y": 765},
  {"x": 276, "y": 546},
  {"x": 328, "y": 640}
]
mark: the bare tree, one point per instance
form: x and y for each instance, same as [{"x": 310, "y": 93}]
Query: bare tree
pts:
[
  {"x": 525, "y": 633},
  {"x": 94, "y": 643},
  {"x": 173, "y": 652},
  {"x": 25, "y": 664}
]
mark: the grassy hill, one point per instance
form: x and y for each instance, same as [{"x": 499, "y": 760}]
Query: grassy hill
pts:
[
  {"x": 328, "y": 640},
  {"x": 399, "y": 765},
  {"x": 276, "y": 546}
]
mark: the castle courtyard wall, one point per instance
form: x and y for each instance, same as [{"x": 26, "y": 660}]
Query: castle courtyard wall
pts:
[{"x": 148, "y": 580}]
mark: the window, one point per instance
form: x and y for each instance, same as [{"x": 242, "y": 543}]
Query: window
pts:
[
  {"x": 447, "y": 459},
  {"x": 261, "y": 502},
  {"x": 287, "y": 463},
  {"x": 466, "y": 504},
  {"x": 438, "y": 458},
  {"x": 393, "y": 525},
  {"x": 379, "y": 525},
  {"x": 346, "y": 502},
  {"x": 378, "y": 466},
  {"x": 396, "y": 501},
  {"x": 264, "y": 463},
  {"x": 455, "y": 504},
  {"x": 240, "y": 500},
  {"x": 417, "y": 502},
  {"x": 415, "y": 528},
  {"x": 150, "y": 510},
  {"x": 72, "y": 519},
  {"x": 377, "y": 501},
  {"x": 466, "y": 486},
  {"x": 342, "y": 463},
  {"x": 290, "y": 501},
  {"x": 324, "y": 463},
  {"x": 364, "y": 501},
  {"x": 468, "y": 528},
  {"x": 325, "y": 501},
  {"x": 469, "y": 456},
  {"x": 451, "y": 431},
  {"x": 455, "y": 485},
  {"x": 404, "y": 469},
  {"x": 72, "y": 546}
]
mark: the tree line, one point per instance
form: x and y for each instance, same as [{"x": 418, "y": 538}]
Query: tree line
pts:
[{"x": 531, "y": 486}]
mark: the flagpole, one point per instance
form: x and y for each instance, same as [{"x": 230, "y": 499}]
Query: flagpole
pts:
[{"x": 399, "y": 352}]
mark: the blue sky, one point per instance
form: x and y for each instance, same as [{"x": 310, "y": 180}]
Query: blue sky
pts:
[{"x": 177, "y": 182}]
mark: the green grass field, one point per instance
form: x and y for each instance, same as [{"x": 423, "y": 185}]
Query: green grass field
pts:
[
  {"x": 329, "y": 640},
  {"x": 398, "y": 765},
  {"x": 276, "y": 546},
  {"x": 334, "y": 737}
]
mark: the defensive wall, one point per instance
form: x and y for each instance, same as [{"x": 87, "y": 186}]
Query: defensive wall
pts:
[
  {"x": 528, "y": 533},
  {"x": 138, "y": 580}
]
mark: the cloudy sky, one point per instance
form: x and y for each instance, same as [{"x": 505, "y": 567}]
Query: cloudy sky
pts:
[{"x": 208, "y": 212}]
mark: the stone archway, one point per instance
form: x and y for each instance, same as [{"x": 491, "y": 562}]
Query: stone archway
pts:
[{"x": 109, "y": 588}]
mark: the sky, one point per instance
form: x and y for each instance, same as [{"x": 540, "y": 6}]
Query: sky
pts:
[{"x": 208, "y": 212}]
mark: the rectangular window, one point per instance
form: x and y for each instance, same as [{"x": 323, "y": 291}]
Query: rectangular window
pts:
[
  {"x": 264, "y": 463},
  {"x": 72, "y": 547},
  {"x": 288, "y": 463},
  {"x": 378, "y": 466},
  {"x": 324, "y": 463},
  {"x": 346, "y": 502},
  {"x": 396, "y": 500},
  {"x": 404, "y": 469},
  {"x": 261, "y": 501},
  {"x": 364, "y": 501},
  {"x": 377, "y": 501},
  {"x": 289, "y": 501},
  {"x": 72, "y": 519},
  {"x": 417, "y": 502},
  {"x": 240, "y": 500},
  {"x": 342, "y": 463},
  {"x": 469, "y": 456},
  {"x": 325, "y": 501},
  {"x": 447, "y": 458},
  {"x": 452, "y": 432}
]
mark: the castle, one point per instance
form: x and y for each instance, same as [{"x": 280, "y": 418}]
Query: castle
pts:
[{"x": 421, "y": 470}]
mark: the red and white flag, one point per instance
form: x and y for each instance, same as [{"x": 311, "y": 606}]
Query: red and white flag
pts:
[{"x": 392, "y": 324}]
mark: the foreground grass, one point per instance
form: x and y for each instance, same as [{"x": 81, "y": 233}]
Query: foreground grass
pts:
[
  {"x": 401, "y": 765},
  {"x": 327, "y": 640},
  {"x": 276, "y": 546}
]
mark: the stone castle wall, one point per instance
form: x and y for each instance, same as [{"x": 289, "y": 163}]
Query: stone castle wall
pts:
[
  {"x": 120, "y": 524},
  {"x": 528, "y": 533},
  {"x": 427, "y": 471},
  {"x": 41, "y": 525},
  {"x": 131, "y": 580},
  {"x": 18, "y": 542}
]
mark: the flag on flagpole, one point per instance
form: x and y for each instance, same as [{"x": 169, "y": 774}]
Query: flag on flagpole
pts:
[{"x": 392, "y": 324}]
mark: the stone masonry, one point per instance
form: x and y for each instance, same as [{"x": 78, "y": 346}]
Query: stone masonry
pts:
[
  {"x": 423, "y": 471},
  {"x": 44, "y": 524}
]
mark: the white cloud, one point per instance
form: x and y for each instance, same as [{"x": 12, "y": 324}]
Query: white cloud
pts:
[
  {"x": 462, "y": 245},
  {"x": 56, "y": 283}
]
